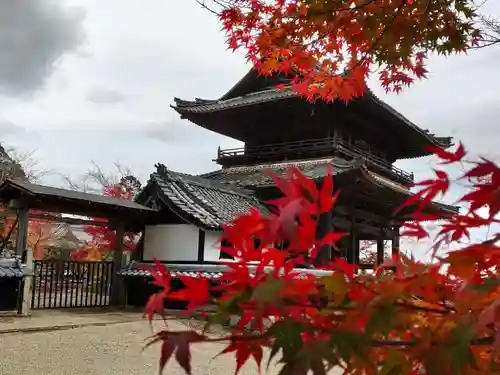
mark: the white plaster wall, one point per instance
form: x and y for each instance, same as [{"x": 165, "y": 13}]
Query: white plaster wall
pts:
[
  {"x": 212, "y": 245},
  {"x": 171, "y": 242}
]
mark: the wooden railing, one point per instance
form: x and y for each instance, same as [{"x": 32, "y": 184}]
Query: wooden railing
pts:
[{"x": 324, "y": 145}]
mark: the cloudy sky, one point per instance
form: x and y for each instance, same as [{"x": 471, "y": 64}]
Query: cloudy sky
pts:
[{"x": 84, "y": 80}]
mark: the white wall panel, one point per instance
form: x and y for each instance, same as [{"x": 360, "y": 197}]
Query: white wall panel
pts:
[
  {"x": 171, "y": 242},
  {"x": 212, "y": 245}
]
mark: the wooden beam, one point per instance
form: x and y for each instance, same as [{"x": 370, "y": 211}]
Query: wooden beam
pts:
[
  {"x": 58, "y": 219},
  {"x": 365, "y": 230},
  {"x": 359, "y": 214},
  {"x": 201, "y": 245}
]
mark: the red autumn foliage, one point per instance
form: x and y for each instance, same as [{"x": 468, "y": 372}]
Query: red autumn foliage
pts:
[
  {"x": 102, "y": 239},
  {"x": 413, "y": 318},
  {"x": 334, "y": 45},
  {"x": 41, "y": 233}
]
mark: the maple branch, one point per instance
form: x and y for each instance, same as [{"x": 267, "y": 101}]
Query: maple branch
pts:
[
  {"x": 404, "y": 305},
  {"x": 206, "y": 7},
  {"x": 374, "y": 44},
  {"x": 491, "y": 30}
]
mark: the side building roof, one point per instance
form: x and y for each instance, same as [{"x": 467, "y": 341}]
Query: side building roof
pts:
[
  {"x": 348, "y": 174},
  {"x": 199, "y": 201}
]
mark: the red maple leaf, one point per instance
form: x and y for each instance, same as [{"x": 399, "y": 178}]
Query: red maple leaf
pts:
[
  {"x": 447, "y": 157},
  {"x": 431, "y": 189},
  {"x": 482, "y": 169},
  {"x": 161, "y": 278},
  {"x": 244, "y": 349},
  {"x": 178, "y": 343},
  {"x": 196, "y": 292}
]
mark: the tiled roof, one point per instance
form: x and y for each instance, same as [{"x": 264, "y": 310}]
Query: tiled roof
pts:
[
  {"x": 256, "y": 176},
  {"x": 209, "y": 203},
  {"x": 11, "y": 267},
  {"x": 274, "y": 94},
  {"x": 210, "y": 271},
  {"x": 385, "y": 183},
  {"x": 137, "y": 269},
  {"x": 206, "y": 106}
]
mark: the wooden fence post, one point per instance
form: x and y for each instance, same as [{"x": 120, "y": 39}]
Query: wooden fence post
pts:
[{"x": 27, "y": 284}]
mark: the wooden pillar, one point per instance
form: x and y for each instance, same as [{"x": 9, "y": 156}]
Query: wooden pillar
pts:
[
  {"x": 395, "y": 241},
  {"x": 380, "y": 248},
  {"x": 117, "y": 285},
  {"x": 22, "y": 231},
  {"x": 324, "y": 226},
  {"x": 26, "y": 292},
  {"x": 352, "y": 255}
]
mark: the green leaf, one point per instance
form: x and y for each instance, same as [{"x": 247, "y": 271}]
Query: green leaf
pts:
[
  {"x": 459, "y": 347},
  {"x": 383, "y": 318},
  {"x": 488, "y": 284},
  {"x": 308, "y": 358},
  {"x": 287, "y": 338},
  {"x": 395, "y": 364},
  {"x": 348, "y": 344},
  {"x": 295, "y": 367}
]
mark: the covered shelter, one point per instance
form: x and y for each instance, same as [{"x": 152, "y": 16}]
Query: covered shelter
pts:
[{"x": 19, "y": 197}]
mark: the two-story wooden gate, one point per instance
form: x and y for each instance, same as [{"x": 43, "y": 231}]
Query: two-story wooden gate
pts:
[{"x": 58, "y": 284}]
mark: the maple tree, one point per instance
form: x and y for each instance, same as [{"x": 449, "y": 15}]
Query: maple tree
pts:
[
  {"x": 41, "y": 233},
  {"x": 406, "y": 318},
  {"x": 335, "y": 45}
]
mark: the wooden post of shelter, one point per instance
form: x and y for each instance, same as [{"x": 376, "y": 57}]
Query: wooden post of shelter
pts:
[
  {"x": 22, "y": 231},
  {"x": 24, "y": 306},
  {"x": 117, "y": 287}
]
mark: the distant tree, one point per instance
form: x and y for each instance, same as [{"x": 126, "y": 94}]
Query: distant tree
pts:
[
  {"x": 490, "y": 31},
  {"x": 21, "y": 164},
  {"x": 42, "y": 234},
  {"x": 96, "y": 180}
]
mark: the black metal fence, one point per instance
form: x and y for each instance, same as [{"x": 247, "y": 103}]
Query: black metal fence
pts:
[{"x": 68, "y": 284}]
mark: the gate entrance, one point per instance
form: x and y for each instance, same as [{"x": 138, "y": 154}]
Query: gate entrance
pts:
[
  {"x": 58, "y": 284},
  {"x": 71, "y": 284}
]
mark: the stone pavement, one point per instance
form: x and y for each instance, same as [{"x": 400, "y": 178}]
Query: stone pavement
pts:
[
  {"x": 106, "y": 343},
  {"x": 49, "y": 320}
]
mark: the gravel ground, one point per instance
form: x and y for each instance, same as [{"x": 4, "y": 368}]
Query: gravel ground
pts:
[{"x": 108, "y": 350}]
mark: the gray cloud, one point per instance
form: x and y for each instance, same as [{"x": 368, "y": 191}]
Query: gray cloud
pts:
[
  {"x": 34, "y": 34},
  {"x": 101, "y": 95},
  {"x": 9, "y": 128},
  {"x": 185, "y": 134}
]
